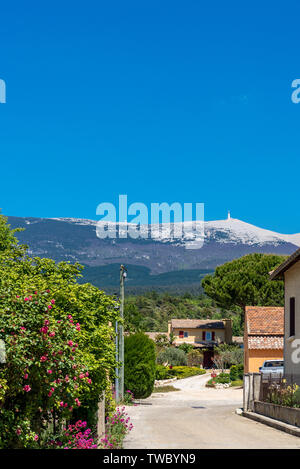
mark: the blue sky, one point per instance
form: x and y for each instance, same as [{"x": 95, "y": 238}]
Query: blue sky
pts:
[{"x": 164, "y": 101}]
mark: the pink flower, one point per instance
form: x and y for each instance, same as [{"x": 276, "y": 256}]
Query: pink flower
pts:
[
  {"x": 46, "y": 323},
  {"x": 49, "y": 393},
  {"x": 25, "y": 376},
  {"x": 77, "y": 401},
  {"x": 53, "y": 302},
  {"x": 27, "y": 388},
  {"x": 81, "y": 376},
  {"x": 51, "y": 334},
  {"x": 43, "y": 358},
  {"x": 70, "y": 343},
  {"x": 49, "y": 372},
  {"x": 49, "y": 306},
  {"x": 78, "y": 326},
  {"x": 89, "y": 381},
  {"x": 36, "y": 437},
  {"x": 26, "y": 299},
  {"x": 18, "y": 431},
  {"x": 61, "y": 404}
]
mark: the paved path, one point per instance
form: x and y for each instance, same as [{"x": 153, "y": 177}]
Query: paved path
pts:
[{"x": 199, "y": 417}]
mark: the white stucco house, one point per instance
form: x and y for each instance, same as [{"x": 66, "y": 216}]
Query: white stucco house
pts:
[{"x": 289, "y": 271}]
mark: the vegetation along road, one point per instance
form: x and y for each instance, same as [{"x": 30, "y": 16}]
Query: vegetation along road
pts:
[{"x": 199, "y": 417}]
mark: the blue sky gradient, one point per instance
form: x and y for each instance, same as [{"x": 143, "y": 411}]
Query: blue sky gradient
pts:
[{"x": 164, "y": 101}]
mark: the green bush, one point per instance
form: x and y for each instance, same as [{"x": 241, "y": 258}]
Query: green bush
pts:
[
  {"x": 238, "y": 382},
  {"x": 172, "y": 356},
  {"x": 236, "y": 372},
  {"x": 139, "y": 365},
  {"x": 223, "y": 378},
  {"x": 186, "y": 371},
  {"x": 162, "y": 372},
  {"x": 187, "y": 348}
]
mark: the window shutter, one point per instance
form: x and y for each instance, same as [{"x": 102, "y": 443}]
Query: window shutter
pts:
[
  {"x": 203, "y": 335},
  {"x": 213, "y": 335}
]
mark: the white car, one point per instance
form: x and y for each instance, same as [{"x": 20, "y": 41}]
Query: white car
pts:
[{"x": 272, "y": 369}]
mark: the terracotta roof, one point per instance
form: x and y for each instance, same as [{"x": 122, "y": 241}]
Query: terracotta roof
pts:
[
  {"x": 278, "y": 273},
  {"x": 197, "y": 323},
  {"x": 265, "y": 342},
  {"x": 265, "y": 320}
]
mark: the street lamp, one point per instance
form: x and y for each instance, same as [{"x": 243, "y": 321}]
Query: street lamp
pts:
[{"x": 119, "y": 382}]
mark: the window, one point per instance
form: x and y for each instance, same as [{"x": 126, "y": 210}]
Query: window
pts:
[
  {"x": 292, "y": 316},
  {"x": 208, "y": 336},
  {"x": 181, "y": 334},
  {"x": 186, "y": 334}
]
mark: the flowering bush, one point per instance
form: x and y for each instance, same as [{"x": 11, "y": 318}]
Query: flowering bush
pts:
[
  {"x": 128, "y": 397},
  {"x": 59, "y": 342},
  {"x": 75, "y": 436},
  {"x": 44, "y": 377},
  {"x": 117, "y": 426}
]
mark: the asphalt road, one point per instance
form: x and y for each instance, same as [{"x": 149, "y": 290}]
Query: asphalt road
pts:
[{"x": 199, "y": 417}]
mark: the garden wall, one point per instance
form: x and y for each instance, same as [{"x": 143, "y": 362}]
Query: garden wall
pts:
[{"x": 284, "y": 414}]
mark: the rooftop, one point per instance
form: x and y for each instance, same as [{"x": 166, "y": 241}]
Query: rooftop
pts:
[
  {"x": 278, "y": 273},
  {"x": 198, "y": 323},
  {"x": 265, "y": 320}
]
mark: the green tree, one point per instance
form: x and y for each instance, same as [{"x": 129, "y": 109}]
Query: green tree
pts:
[
  {"x": 172, "y": 356},
  {"x": 139, "y": 365},
  {"x": 246, "y": 281}
]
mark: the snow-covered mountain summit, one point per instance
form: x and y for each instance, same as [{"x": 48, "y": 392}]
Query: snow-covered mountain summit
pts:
[{"x": 230, "y": 230}]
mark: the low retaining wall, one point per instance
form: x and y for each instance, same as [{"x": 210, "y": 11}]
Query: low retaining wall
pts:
[
  {"x": 164, "y": 382},
  {"x": 284, "y": 414}
]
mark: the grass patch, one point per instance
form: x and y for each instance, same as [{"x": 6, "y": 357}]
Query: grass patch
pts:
[{"x": 165, "y": 389}]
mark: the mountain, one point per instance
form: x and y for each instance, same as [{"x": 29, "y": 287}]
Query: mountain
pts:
[{"x": 69, "y": 239}]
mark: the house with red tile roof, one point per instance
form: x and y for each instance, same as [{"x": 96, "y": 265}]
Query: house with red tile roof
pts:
[{"x": 263, "y": 336}]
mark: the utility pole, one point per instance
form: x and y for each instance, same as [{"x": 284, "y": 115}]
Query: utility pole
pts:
[{"x": 123, "y": 274}]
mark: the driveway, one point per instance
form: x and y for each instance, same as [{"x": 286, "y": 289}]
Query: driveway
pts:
[{"x": 199, "y": 417}]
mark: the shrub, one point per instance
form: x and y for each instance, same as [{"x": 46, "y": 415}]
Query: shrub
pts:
[
  {"x": 162, "y": 372},
  {"x": 238, "y": 382},
  {"x": 117, "y": 426},
  {"x": 172, "y": 356},
  {"x": 186, "y": 347},
  {"x": 75, "y": 436},
  {"x": 139, "y": 365},
  {"x": 185, "y": 371},
  {"x": 236, "y": 372}
]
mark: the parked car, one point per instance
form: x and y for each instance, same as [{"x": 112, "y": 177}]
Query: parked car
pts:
[{"x": 271, "y": 369}]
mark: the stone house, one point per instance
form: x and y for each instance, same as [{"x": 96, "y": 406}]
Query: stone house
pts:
[{"x": 201, "y": 333}]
